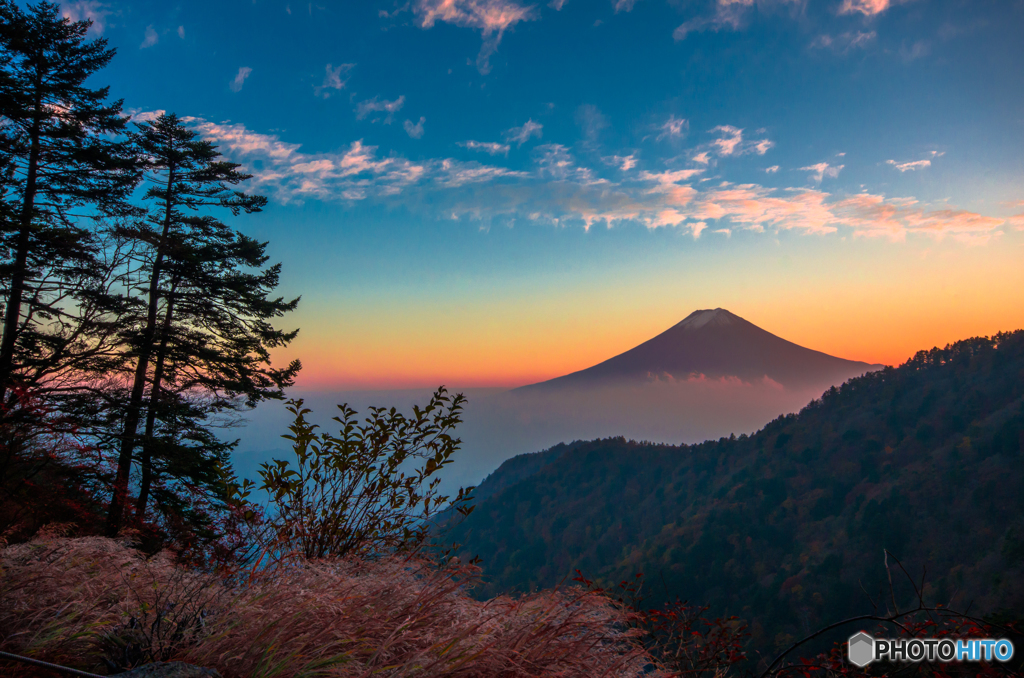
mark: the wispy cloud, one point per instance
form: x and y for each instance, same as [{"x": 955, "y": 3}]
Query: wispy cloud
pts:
[
  {"x": 144, "y": 116},
  {"x": 414, "y": 130},
  {"x": 771, "y": 170},
  {"x": 555, "y": 162},
  {"x": 915, "y": 50},
  {"x": 335, "y": 78},
  {"x": 732, "y": 15},
  {"x": 623, "y": 162},
  {"x": 87, "y": 10},
  {"x": 728, "y": 14},
  {"x": 865, "y": 7},
  {"x": 353, "y": 174},
  {"x": 590, "y": 121},
  {"x": 489, "y": 147},
  {"x": 844, "y": 42},
  {"x": 453, "y": 174},
  {"x": 909, "y": 166},
  {"x": 624, "y": 5},
  {"x": 822, "y": 170},
  {"x": 873, "y": 216},
  {"x": 150, "y": 39},
  {"x": 243, "y": 73},
  {"x": 524, "y": 132},
  {"x": 915, "y": 164},
  {"x": 181, "y": 32},
  {"x": 673, "y": 128},
  {"x": 491, "y": 17},
  {"x": 730, "y": 142},
  {"x": 562, "y": 191},
  {"x": 376, "y": 105}
]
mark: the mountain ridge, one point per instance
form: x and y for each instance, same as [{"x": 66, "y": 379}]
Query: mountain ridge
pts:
[
  {"x": 921, "y": 461},
  {"x": 714, "y": 343}
]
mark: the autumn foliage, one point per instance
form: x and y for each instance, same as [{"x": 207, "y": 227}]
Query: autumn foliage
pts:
[{"x": 98, "y": 604}]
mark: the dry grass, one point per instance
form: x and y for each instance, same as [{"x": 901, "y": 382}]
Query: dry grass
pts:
[{"x": 71, "y": 601}]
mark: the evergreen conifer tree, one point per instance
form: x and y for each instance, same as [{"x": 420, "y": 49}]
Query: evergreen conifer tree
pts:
[
  {"x": 202, "y": 345},
  {"x": 65, "y": 165}
]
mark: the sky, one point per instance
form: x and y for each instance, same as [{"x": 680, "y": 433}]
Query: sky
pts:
[{"x": 487, "y": 193}]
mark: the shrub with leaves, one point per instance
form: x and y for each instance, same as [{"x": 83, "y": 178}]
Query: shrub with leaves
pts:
[{"x": 369, "y": 490}]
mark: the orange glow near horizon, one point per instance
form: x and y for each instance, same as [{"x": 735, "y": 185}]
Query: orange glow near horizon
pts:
[
  {"x": 881, "y": 312},
  {"x": 510, "y": 365}
]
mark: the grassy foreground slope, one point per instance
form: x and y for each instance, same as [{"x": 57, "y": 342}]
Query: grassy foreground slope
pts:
[
  {"x": 96, "y": 604},
  {"x": 787, "y": 528}
]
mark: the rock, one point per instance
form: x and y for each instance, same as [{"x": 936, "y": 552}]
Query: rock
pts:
[{"x": 170, "y": 670}]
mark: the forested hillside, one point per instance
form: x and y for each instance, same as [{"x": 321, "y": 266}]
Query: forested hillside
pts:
[{"x": 787, "y": 528}]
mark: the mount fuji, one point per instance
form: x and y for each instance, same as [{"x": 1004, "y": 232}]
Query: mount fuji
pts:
[{"x": 714, "y": 344}]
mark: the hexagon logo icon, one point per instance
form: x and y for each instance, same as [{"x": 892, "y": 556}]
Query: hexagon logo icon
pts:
[{"x": 861, "y": 649}]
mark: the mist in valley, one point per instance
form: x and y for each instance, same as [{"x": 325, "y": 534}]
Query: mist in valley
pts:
[{"x": 499, "y": 424}]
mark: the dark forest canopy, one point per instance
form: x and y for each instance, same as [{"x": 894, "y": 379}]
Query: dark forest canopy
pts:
[{"x": 785, "y": 526}]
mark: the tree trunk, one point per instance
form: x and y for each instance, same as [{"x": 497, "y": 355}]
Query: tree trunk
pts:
[
  {"x": 148, "y": 442},
  {"x": 119, "y": 499},
  {"x": 13, "y": 310}
]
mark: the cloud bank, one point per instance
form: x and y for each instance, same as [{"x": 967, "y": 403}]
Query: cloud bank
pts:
[{"x": 558, "y": 189}]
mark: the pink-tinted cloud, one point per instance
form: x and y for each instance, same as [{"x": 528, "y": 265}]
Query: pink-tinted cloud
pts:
[
  {"x": 489, "y": 147},
  {"x": 561, "y": 191},
  {"x": 673, "y": 128},
  {"x": 755, "y": 207},
  {"x": 291, "y": 175},
  {"x": 909, "y": 166},
  {"x": 728, "y": 14},
  {"x": 491, "y": 17},
  {"x": 554, "y": 162},
  {"x": 144, "y": 116},
  {"x": 524, "y": 133},
  {"x": 670, "y": 177},
  {"x": 623, "y": 162},
  {"x": 916, "y": 164},
  {"x": 865, "y": 7},
  {"x": 730, "y": 142},
  {"x": 367, "y": 108},
  {"x": 453, "y": 174},
  {"x": 414, "y": 130},
  {"x": 356, "y": 173},
  {"x": 87, "y": 10},
  {"x": 822, "y": 170},
  {"x": 240, "y": 77},
  {"x": 873, "y": 216},
  {"x": 151, "y": 37},
  {"x": 335, "y": 78},
  {"x": 733, "y": 15},
  {"x": 844, "y": 42}
]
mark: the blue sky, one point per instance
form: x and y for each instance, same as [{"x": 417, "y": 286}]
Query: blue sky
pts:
[{"x": 492, "y": 192}]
